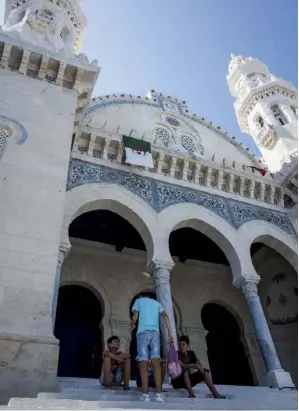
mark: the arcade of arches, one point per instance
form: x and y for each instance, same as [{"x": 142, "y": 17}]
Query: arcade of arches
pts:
[{"x": 106, "y": 268}]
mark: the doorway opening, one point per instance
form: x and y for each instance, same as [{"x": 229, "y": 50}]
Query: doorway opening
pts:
[
  {"x": 226, "y": 353},
  {"x": 79, "y": 331}
]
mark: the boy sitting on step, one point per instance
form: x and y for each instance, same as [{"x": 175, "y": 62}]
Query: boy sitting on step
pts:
[
  {"x": 116, "y": 365},
  {"x": 193, "y": 372}
]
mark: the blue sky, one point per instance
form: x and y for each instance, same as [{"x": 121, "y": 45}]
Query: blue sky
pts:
[{"x": 182, "y": 48}]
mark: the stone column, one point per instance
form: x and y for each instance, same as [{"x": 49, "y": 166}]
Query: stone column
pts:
[
  {"x": 220, "y": 179},
  {"x": 251, "y": 188},
  {"x": 91, "y": 145},
  {"x": 160, "y": 272},
  {"x": 64, "y": 249},
  {"x": 231, "y": 183},
  {"x": 262, "y": 191},
  {"x": 60, "y": 75},
  {"x": 276, "y": 376},
  {"x": 208, "y": 176},
  {"x": 242, "y": 185}
]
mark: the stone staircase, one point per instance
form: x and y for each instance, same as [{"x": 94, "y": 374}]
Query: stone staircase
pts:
[{"x": 88, "y": 394}]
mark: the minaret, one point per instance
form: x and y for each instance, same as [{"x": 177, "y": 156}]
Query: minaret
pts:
[
  {"x": 266, "y": 108},
  {"x": 57, "y": 24}
]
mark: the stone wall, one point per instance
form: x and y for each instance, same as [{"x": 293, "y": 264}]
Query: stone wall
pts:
[{"x": 33, "y": 173}]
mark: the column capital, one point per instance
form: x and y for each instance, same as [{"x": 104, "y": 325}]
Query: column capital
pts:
[
  {"x": 249, "y": 289},
  {"x": 64, "y": 249},
  {"x": 157, "y": 264},
  {"x": 160, "y": 271},
  {"x": 246, "y": 278}
]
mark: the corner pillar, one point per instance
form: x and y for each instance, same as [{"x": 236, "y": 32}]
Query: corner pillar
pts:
[
  {"x": 160, "y": 272},
  {"x": 276, "y": 376}
]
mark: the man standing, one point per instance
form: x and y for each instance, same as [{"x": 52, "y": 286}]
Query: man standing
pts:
[{"x": 147, "y": 312}]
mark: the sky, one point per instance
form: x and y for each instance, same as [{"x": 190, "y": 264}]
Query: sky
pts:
[{"x": 182, "y": 48}]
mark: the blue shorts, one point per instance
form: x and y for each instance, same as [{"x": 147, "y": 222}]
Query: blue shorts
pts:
[{"x": 148, "y": 345}]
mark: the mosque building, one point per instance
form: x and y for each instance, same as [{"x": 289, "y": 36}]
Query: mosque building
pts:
[{"x": 103, "y": 198}]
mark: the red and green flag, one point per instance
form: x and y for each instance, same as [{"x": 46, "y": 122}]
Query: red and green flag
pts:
[{"x": 138, "y": 152}]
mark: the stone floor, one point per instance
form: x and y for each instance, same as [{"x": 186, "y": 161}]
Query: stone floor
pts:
[{"x": 88, "y": 394}]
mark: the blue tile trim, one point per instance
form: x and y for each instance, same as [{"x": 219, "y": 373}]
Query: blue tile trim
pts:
[{"x": 23, "y": 135}]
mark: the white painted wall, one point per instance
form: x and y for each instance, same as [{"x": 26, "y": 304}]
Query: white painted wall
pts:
[{"x": 143, "y": 118}]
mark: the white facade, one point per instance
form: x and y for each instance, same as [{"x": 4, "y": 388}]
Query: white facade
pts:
[{"x": 57, "y": 164}]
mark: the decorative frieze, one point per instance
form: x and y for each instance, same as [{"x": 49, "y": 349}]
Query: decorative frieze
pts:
[{"x": 159, "y": 195}]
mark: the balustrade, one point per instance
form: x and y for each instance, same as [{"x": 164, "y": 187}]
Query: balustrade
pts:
[{"x": 232, "y": 178}]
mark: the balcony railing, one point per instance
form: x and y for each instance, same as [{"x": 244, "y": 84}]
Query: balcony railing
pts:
[{"x": 233, "y": 178}]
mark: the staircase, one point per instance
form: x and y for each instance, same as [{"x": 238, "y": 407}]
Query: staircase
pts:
[{"x": 79, "y": 393}]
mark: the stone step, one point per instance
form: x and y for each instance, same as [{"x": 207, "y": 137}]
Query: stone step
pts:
[
  {"x": 112, "y": 392},
  {"x": 188, "y": 404},
  {"x": 89, "y": 384},
  {"x": 110, "y": 396}
]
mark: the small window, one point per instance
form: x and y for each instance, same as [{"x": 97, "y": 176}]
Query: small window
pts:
[
  {"x": 260, "y": 120},
  {"x": 279, "y": 115}
]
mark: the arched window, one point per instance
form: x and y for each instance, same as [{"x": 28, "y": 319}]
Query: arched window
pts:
[
  {"x": 188, "y": 143},
  {"x": 279, "y": 115},
  {"x": 161, "y": 136}
]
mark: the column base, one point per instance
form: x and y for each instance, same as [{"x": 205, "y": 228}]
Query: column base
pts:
[
  {"x": 27, "y": 366},
  {"x": 279, "y": 379}
]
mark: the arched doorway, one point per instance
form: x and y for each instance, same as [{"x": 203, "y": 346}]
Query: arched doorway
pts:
[
  {"x": 108, "y": 229},
  {"x": 226, "y": 354},
  {"x": 78, "y": 329}
]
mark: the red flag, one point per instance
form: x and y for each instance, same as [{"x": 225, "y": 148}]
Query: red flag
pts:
[{"x": 260, "y": 170}]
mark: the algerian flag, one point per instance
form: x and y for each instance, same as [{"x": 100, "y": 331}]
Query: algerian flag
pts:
[{"x": 138, "y": 152}]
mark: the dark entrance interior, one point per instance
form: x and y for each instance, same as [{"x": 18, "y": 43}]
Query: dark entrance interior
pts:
[
  {"x": 188, "y": 243},
  {"x": 78, "y": 329},
  {"x": 104, "y": 226},
  {"x": 226, "y": 354}
]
